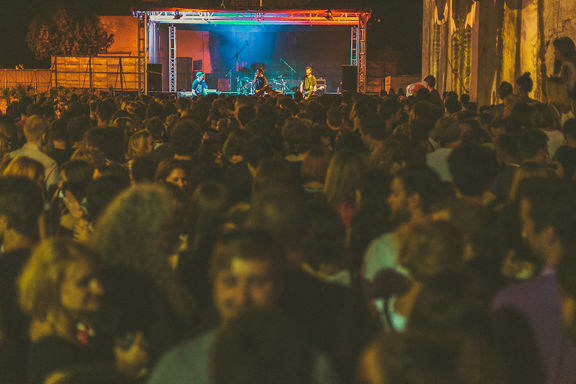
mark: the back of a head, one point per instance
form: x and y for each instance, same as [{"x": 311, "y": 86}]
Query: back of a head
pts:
[
  {"x": 344, "y": 176},
  {"x": 26, "y": 167},
  {"x": 418, "y": 358},
  {"x": 262, "y": 347},
  {"x": 569, "y": 129},
  {"x": 525, "y": 82},
  {"x": 430, "y": 80},
  {"x": 532, "y": 143},
  {"x": 271, "y": 172},
  {"x": 280, "y": 210},
  {"x": 565, "y": 45},
  {"x": 429, "y": 248},
  {"x": 134, "y": 230},
  {"x": 21, "y": 203},
  {"x": 422, "y": 181},
  {"x": 296, "y": 135},
  {"x": 34, "y": 128},
  {"x": 186, "y": 137},
  {"x": 473, "y": 169},
  {"x": 505, "y": 89},
  {"x": 101, "y": 192},
  {"x": 446, "y": 131},
  {"x": 77, "y": 127}
]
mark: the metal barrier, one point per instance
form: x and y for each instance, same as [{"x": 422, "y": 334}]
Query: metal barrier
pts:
[{"x": 39, "y": 79}]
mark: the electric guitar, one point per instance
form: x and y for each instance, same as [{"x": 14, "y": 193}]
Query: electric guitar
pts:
[{"x": 308, "y": 94}]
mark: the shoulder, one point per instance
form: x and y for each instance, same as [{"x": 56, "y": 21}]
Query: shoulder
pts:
[
  {"x": 532, "y": 292},
  {"x": 187, "y": 362},
  {"x": 52, "y": 354}
]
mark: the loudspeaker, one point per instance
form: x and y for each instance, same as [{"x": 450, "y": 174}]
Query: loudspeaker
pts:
[
  {"x": 349, "y": 78},
  {"x": 155, "y": 77}
]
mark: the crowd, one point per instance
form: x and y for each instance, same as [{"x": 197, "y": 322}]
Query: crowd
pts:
[{"x": 241, "y": 240}]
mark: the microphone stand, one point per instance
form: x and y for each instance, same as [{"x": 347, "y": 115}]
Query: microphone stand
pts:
[
  {"x": 292, "y": 71},
  {"x": 235, "y": 57}
]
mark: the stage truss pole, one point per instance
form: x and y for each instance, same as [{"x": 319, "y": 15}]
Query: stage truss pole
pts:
[
  {"x": 142, "y": 52},
  {"x": 172, "y": 58},
  {"x": 354, "y": 45},
  {"x": 362, "y": 54}
]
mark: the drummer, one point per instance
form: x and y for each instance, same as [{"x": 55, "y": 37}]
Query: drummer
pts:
[{"x": 260, "y": 81}]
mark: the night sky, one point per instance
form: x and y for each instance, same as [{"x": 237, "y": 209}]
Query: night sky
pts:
[{"x": 400, "y": 26}]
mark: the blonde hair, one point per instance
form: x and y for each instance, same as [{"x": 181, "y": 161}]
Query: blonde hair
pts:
[
  {"x": 40, "y": 280},
  {"x": 26, "y": 167},
  {"x": 137, "y": 144},
  {"x": 34, "y": 128}
]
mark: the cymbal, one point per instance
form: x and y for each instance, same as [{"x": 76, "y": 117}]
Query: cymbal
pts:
[
  {"x": 244, "y": 70},
  {"x": 255, "y": 66}
]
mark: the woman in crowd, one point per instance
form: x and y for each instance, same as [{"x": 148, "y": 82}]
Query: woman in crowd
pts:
[{"x": 59, "y": 290}]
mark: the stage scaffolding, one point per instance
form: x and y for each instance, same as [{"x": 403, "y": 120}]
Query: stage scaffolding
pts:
[{"x": 357, "y": 21}]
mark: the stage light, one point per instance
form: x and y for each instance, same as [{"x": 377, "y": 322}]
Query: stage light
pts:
[
  {"x": 177, "y": 15},
  {"x": 329, "y": 15}
]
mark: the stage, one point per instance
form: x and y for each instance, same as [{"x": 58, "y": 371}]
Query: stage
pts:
[{"x": 228, "y": 45}]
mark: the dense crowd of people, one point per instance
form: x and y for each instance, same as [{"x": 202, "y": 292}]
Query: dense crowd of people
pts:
[{"x": 240, "y": 239}]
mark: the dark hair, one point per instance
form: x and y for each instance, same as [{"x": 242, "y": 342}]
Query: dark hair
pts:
[
  {"x": 525, "y": 82},
  {"x": 262, "y": 347},
  {"x": 505, "y": 89},
  {"x": 431, "y": 80},
  {"x": 473, "y": 169},
  {"x": 280, "y": 210},
  {"x": 105, "y": 109},
  {"x": 21, "y": 202},
  {"x": 101, "y": 192},
  {"x": 446, "y": 131},
  {"x": 246, "y": 114},
  {"x": 422, "y": 181},
  {"x": 247, "y": 244},
  {"x": 531, "y": 142},
  {"x": 565, "y": 46},
  {"x": 77, "y": 127},
  {"x": 327, "y": 236},
  {"x": 296, "y": 135},
  {"x": 452, "y": 105},
  {"x": 186, "y": 137},
  {"x": 271, "y": 172},
  {"x": 569, "y": 128}
]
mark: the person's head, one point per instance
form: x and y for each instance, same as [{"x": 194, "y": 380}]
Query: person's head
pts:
[
  {"x": 138, "y": 229},
  {"x": 186, "y": 138},
  {"x": 505, "y": 89},
  {"x": 101, "y": 192},
  {"x": 296, "y": 136},
  {"x": 569, "y": 130},
  {"x": 418, "y": 357},
  {"x": 429, "y": 248},
  {"x": 412, "y": 192},
  {"x": 104, "y": 112},
  {"x": 140, "y": 144},
  {"x": 315, "y": 165},
  {"x": 246, "y": 270},
  {"x": 397, "y": 154},
  {"x": 544, "y": 117},
  {"x": 446, "y": 131},
  {"x": 200, "y": 76},
  {"x": 26, "y": 167},
  {"x": 269, "y": 173},
  {"x": 172, "y": 171},
  {"x": 452, "y": 105},
  {"x": 533, "y": 146},
  {"x": 34, "y": 129},
  {"x": 430, "y": 81},
  {"x": 60, "y": 278},
  {"x": 21, "y": 204},
  {"x": 564, "y": 48},
  {"x": 540, "y": 209},
  {"x": 260, "y": 71},
  {"x": 280, "y": 210},
  {"x": 76, "y": 127},
  {"x": 245, "y": 115},
  {"x": 308, "y": 70},
  {"x": 473, "y": 169},
  {"x": 525, "y": 84},
  {"x": 343, "y": 178},
  {"x": 262, "y": 346}
]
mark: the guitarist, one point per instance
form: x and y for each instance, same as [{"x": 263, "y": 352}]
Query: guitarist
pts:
[
  {"x": 308, "y": 84},
  {"x": 260, "y": 82}
]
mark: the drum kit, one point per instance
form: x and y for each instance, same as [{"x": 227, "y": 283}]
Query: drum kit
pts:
[{"x": 245, "y": 82}]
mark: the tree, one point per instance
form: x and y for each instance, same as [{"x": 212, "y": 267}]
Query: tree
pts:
[{"x": 63, "y": 31}]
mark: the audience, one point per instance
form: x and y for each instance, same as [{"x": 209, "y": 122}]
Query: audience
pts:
[{"x": 236, "y": 239}]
